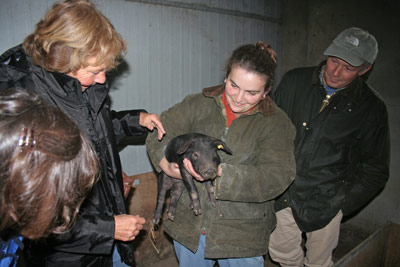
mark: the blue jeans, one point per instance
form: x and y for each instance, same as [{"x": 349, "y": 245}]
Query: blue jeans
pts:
[
  {"x": 187, "y": 258},
  {"x": 117, "y": 262}
]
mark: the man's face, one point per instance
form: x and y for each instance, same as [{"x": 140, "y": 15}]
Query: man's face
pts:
[{"x": 338, "y": 73}]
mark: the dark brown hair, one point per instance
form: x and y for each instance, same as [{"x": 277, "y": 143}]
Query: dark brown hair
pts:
[
  {"x": 259, "y": 58},
  {"x": 47, "y": 166},
  {"x": 71, "y": 33}
]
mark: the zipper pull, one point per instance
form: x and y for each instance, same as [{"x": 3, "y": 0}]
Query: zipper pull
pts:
[{"x": 325, "y": 102}]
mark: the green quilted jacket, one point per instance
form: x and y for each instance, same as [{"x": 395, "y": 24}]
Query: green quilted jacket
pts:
[{"x": 261, "y": 167}]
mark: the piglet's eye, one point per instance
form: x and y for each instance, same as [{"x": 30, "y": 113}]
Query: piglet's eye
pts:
[{"x": 195, "y": 155}]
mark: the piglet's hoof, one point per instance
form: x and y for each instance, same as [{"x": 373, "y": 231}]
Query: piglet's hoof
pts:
[
  {"x": 155, "y": 225},
  {"x": 213, "y": 202},
  {"x": 197, "y": 211},
  {"x": 171, "y": 216}
]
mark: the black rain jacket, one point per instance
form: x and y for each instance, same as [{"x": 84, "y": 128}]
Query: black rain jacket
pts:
[
  {"x": 91, "y": 241},
  {"x": 342, "y": 152}
]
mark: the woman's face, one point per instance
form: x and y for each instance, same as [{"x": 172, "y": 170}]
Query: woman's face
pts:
[
  {"x": 90, "y": 75},
  {"x": 244, "y": 90}
]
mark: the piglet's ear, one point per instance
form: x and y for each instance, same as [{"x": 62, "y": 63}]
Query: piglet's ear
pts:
[
  {"x": 184, "y": 147},
  {"x": 222, "y": 146}
]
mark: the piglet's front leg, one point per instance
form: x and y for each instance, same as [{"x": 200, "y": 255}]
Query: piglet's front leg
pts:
[
  {"x": 188, "y": 181},
  {"x": 210, "y": 191}
]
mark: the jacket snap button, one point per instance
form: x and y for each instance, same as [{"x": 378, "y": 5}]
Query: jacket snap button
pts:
[
  {"x": 304, "y": 124},
  {"x": 221, "y": 215}
]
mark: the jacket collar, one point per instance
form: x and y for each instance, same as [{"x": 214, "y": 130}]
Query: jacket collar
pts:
[
  {"x": 60, "y": 84},
  {"x": 71, "y": 86},
  {"x": 265, "y": 106},
  {"x": 353, "y": 91}
]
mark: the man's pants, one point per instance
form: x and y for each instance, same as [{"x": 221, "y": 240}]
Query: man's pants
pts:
[{"x": 285, "y": 242}]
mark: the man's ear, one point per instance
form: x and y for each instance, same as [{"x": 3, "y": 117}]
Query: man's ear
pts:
[{"x": 365, "y": 70}]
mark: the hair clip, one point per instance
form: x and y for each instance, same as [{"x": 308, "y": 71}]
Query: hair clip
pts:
[{"x": 26, "y": 138}]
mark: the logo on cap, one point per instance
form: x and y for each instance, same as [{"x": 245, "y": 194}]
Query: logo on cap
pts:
[{"x": 352, "y": 40}]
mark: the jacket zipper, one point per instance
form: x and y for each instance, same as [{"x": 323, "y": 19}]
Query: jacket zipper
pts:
[{"x": 325, "y": 102}]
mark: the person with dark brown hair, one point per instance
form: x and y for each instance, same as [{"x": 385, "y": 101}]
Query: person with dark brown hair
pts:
[
  {"x": 235, "y": 231},
  {"x": 47, "y": 167},
  {"x": 65, "y": 60}
]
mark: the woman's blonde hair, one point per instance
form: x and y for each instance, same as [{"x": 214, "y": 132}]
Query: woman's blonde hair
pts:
[{"x": 71, "y": 33}]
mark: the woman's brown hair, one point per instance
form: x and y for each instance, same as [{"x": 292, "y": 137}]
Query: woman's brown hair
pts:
[
  {"x": 259, "y": 58},
  {"x": 71, "y": 33},
  {"x": 47, "y": 166}
]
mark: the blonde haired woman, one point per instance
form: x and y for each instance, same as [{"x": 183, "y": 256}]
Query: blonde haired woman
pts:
[{"x": 65, "y": 61}]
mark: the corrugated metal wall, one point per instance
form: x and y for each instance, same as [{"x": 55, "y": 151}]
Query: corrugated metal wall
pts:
[{"x": 174, "y": 47}]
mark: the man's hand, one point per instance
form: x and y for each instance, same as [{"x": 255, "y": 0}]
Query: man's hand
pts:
[
  {"x": 151, "y": 121},
  {"x": 189, "y": 167},
  {"x": 170, "y": 168},
  {"x": 127, "y": 227}
]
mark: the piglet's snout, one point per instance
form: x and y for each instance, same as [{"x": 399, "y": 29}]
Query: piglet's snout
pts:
[{"x": 210, "y": 173}]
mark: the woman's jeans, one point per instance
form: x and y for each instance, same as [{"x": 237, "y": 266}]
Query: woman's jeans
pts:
[{"x": 187, "y": 258}]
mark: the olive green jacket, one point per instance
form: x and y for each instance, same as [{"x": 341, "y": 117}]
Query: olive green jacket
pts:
[{"x": 261, "y": 167}]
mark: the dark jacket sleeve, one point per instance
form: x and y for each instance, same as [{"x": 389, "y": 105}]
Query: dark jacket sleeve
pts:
[
  {"x": 372, "y": 172},
  {"x": 93, "y": 232},
  {"x": 126, "y": 124}
]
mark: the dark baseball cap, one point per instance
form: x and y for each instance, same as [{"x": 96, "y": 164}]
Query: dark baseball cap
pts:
[{"x": 355, "y": 46}]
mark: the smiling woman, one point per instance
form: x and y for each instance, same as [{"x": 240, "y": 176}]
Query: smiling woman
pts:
[
  {"x": 261, "y": 166},
  {"x": 243, "y": 90}
]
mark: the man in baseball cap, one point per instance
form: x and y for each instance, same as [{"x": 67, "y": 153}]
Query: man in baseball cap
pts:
[
  {"x": 354, "y": 50},
  {"x": 341, "y": 148},
  {"x": 355, "y": 46}
]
